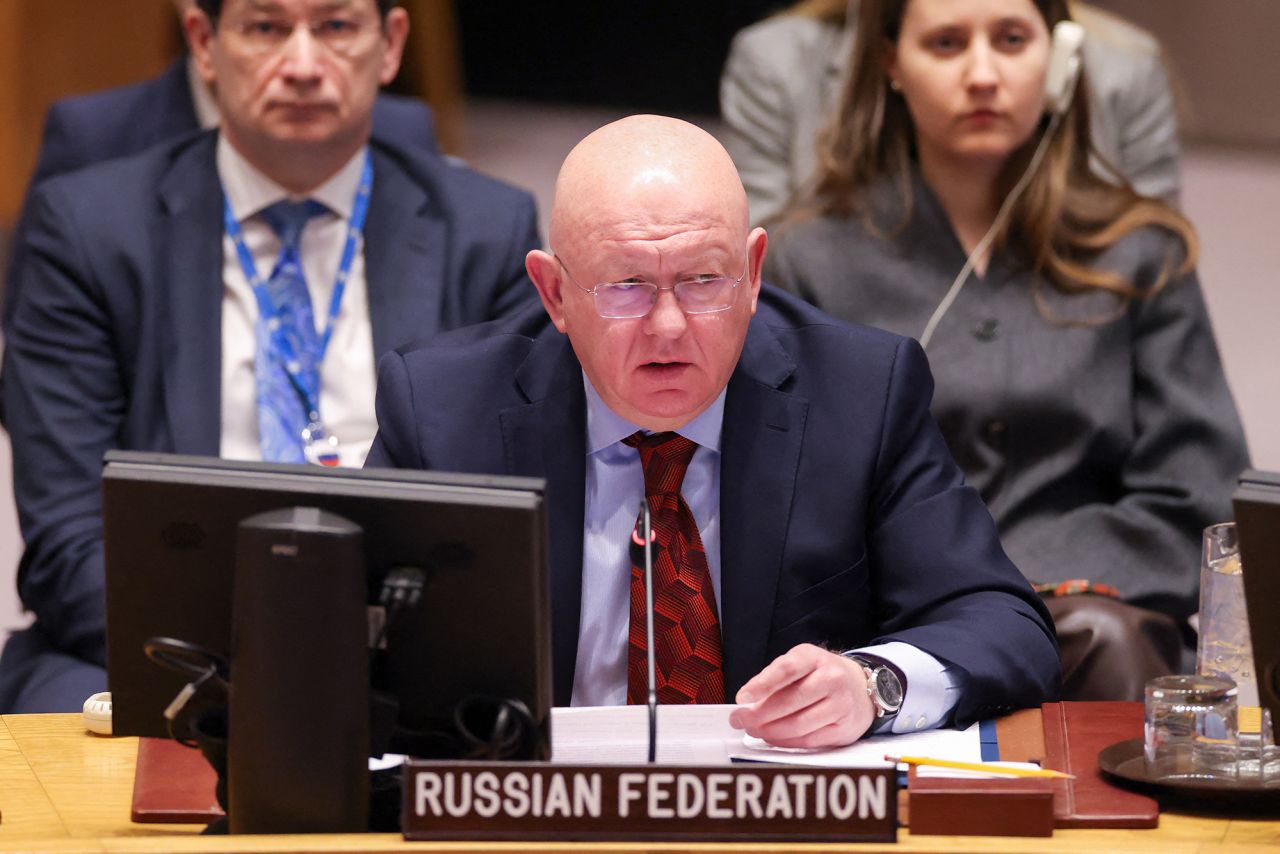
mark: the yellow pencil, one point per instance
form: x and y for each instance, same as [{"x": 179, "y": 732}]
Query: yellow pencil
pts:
[{"x": 979, "y": 766}]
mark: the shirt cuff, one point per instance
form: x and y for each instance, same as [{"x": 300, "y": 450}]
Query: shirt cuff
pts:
[{"x": 932, "y": 688}]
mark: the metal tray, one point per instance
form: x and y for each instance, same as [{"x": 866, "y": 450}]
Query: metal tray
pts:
[{"x": 1124, "y": 763}]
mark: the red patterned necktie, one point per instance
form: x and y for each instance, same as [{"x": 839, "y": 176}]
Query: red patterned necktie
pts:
[{"x": 686, "y": 626}]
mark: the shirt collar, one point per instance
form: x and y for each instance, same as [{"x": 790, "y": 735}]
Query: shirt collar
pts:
[
  {"x": 606, "y": 428},
  {"x": 249, "y": 190}
]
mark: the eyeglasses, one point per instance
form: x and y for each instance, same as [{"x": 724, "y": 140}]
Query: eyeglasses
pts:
[
  {"x": 340, "y": 34},
  {"x": 629, "y": 299}
]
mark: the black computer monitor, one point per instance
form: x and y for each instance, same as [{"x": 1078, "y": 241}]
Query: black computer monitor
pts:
[
  {"x": 1257, "y": 510},
  {"x": 482, "y": 627}
]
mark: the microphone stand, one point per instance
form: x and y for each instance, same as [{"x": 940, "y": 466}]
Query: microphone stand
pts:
[{"x": 647, "y": 531}]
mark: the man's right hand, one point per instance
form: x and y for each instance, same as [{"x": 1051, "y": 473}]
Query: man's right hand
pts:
[{"x": 807, "y": 697}]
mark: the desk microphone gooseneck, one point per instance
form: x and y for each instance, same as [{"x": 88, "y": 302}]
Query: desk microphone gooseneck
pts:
[{"x": 646, "y": 525}]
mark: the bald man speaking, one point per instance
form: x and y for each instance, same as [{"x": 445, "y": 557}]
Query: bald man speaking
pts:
[{"x": 819, "y": 560}]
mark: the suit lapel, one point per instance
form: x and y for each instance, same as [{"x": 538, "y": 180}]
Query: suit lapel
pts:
[
  {"x": 405, "y": 244},
  {"x": 189, "y": 262},
  {"x": 547, "y": 438},
  {"x": 760, "y": 451}
]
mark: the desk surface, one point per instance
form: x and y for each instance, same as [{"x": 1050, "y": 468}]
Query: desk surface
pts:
[{"x": 65, "y": 790}]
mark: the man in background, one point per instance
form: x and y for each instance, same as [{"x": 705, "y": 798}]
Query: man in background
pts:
[
  {"x": 227, "y": 294},
  {"x": 86, "y": 129}
]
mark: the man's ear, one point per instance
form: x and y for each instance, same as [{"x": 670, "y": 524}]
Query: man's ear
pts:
[
  {"x": 199, "y": 32},
  {"x": 395, "y": 30},
  {"x": 544, "y": 270},
  {"x": 757, "y": 246}
]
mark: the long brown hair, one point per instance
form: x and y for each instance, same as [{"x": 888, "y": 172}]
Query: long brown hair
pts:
[{"x": 1066, "y": 215}]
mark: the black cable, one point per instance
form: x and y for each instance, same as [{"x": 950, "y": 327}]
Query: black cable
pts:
[
  {"x": 495, "y": 728},
  {"x": 185, "y": 658},
  {"x": 207, "y": 674}
]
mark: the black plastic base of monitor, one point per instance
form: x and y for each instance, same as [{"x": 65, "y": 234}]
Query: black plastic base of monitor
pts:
[{"x": 298, "y": 743}]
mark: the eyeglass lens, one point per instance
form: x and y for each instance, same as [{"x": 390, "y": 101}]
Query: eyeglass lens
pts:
[{"x": 635, "y": 299}]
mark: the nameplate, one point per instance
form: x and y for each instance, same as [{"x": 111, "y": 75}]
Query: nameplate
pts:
[{"x": 540, "y": 801}]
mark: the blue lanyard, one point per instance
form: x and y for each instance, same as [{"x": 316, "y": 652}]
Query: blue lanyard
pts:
[{"x": 307, "y": 390}]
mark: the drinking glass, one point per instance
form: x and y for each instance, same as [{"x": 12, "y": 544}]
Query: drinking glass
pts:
[
  {"x": 1225, "y": 649},
  {"x": 1190, "y": 729}
]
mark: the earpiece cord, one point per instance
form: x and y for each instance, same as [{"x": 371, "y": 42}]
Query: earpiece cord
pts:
[{"x": 983, "y": 244}]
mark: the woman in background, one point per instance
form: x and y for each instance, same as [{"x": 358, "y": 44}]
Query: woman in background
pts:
[
  {"x": 1078, "y": 382},
  {"x": 784, "y": 73}
]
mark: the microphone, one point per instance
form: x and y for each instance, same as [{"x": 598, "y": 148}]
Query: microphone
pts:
[
  {"x": 646, "y": 531},
  {"x": 637, "y": 547}
]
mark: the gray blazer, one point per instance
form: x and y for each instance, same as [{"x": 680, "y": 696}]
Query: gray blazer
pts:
[
  {"x": 784, "y": 73},
  {"x": 1101, "y": 449}
]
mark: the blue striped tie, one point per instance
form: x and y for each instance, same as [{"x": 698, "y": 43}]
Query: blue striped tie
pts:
[{"x": 282, "y": 411}]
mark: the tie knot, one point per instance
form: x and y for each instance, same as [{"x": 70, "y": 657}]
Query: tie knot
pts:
[
  {"x": 665, "y": 458},
  {"x": 288, "y": 218}
]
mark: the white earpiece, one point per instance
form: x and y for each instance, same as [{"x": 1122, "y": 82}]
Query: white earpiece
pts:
[{"x": 1064, "y": 67}]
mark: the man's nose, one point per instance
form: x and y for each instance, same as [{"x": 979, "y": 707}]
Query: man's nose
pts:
[
  {"x": 302, "y": 54},
  {"x": 666, "y": 319}
]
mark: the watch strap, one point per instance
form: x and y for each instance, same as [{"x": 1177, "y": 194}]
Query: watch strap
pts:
[{"x": 870, "y": 663}]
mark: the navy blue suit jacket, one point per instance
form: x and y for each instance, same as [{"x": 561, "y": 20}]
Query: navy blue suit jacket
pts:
[
  {"x": 86, "y": 129},
  {"x": 844, "y": 520},
  {"x": 116, "y": 341}
]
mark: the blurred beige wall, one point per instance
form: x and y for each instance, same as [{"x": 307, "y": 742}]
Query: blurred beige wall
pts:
[
  {"x": 53, "y": 48},
  {"x": 1224, "y": 62},
  {"x": 11, "y": 616}
]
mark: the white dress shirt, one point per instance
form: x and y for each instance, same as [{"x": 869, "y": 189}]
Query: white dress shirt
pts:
[
  {"x": 348, "y": 374},
  {"x": 614, "y": 488}
]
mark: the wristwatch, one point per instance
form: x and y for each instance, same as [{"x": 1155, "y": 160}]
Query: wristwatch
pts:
[{"x": 884, "y": 687}]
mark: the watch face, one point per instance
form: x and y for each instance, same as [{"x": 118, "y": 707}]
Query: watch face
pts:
[{"x": 889, "y": 688}]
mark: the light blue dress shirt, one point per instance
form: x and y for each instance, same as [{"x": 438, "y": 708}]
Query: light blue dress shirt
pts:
[{"x": 614, "y": 489}]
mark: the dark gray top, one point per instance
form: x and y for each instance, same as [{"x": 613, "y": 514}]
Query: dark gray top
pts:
[{"x": 1103, "y": 449}]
